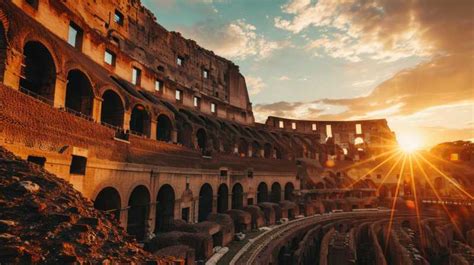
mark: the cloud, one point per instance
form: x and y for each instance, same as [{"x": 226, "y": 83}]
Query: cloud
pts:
[
  {"x": 284, "y": 78},
  {"x": 363, "y": 83},
  {"x": 383, "y": 29},
  {"x": 235, "y": 40},
  {"x": 255, "y": 85}
]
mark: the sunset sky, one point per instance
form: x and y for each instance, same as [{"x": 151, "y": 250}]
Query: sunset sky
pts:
[{"x": 410, "y": 61}]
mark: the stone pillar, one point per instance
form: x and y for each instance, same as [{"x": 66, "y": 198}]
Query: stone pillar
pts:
[
  {"x": 153, "y": 128},
  {"x": 262, "y": 153},
  {"x": 12, "y": 74},
  {"x": 214, "y": 204},
  {"x": 126, "y": 120},
  {"x": 60, "y": 91},
  {"x": 250, "y": 151},
  {"x": 97, "y": 109},
  {"x": 174, "y": 136}
]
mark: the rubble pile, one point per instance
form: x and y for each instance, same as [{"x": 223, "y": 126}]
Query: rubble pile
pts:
[{"x": 44, "y": 220}]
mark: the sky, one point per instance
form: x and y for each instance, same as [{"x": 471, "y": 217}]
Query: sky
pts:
[{"x": 409, "y": 61}]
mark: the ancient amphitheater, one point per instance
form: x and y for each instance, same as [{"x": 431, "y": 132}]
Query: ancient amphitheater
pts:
[{"x": 160, "y": 132}]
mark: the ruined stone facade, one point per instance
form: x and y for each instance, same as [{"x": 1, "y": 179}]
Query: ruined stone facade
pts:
[{"x": 154, "y": 128}]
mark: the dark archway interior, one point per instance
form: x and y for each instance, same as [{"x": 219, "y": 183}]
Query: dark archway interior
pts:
[
  {"x": 222, "y": 198},
  {"x": 108, "y": 199},
  {"x": 237, "y": 196},
  {"x": 185, "y": 135},
  {"x": 267, "y": 151},
  {"x": 112, "y": 109},
  {"x": 3, "y": 51},
  {"x": 262, "y": 193},
  {"x": 205, "y": 202},
  {"x": 201, "y": 139},
  {"x": 256, "y": 149},
  {"x": 164, "y": 127},
  {"x": 140, "y": 121},
  {"x": 289, "y": 189},
  {"x": 276, "y": 192},
  {"x": 39, "y": 72},
  {"x": 243, "y": 148},
  {"x": 79, "y": 95},
  {"x": 139, "y": 204},
  {"x": 164, "y": 208},
  {"x": 278, "y": 153}
]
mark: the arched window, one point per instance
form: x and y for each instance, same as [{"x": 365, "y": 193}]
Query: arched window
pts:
[
  {"x": 243, "y": 147},
  {"x": 108, "y": 200},
  {"x": 267, "y": 150},
  {"x": 140, "y": 120},
  {"x": 256, "y": 149},
  {"x": 222, "y": 198},
  {"x": 289, "y": 189},
  {"x": 185, "y": 134},
  {"x": 112, "y": 109},
  {"x": 237, "y": 196},
  {"x": 139, "y": 204},
  {"x": 276, "y": 192},
  {"x": 202, "y": 139},
  {"x": 38, "y": 74},
  {"x": 262, "y": 192},
  {"x": 164, "y": 208},
  {"x": 79, "y": 95},
  {"x": 205, "y": 202},
  {"x": 164, "y": 128}
]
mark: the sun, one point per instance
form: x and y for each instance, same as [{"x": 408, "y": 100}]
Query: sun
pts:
[{"x": 409, "y": 143}]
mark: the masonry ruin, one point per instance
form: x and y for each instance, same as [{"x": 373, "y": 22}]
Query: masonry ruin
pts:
[{"x": 160, "y": 132}]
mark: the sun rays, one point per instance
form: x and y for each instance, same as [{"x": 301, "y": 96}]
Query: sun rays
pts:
[{"x": 414, "y": 168}]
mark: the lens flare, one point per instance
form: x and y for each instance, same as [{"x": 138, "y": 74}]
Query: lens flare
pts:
[{"x": 409, "y": 143}]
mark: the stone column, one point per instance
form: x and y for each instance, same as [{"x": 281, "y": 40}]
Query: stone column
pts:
[
  {"x": 60, "y": 91},
  {"x": 97, "y": 109},
  {"x": 126, "y": 120},
  {"x": 214, "y": 204},
  {"x": 153, "y": 128},
  {"x": 12, "y": 74},
  {"x": 174, "y": 136}
]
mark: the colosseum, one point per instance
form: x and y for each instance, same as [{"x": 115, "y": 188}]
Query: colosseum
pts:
[{"x": 160, "y": 134}]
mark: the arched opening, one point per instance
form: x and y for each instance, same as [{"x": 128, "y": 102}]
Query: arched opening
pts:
[
  {"x": 243, "y": 148},
  {"x": 289, "y": 189},
  {"x": 277, "y": 153},
  {"x": 164, "y": 208},
  {"x": 163, "y": 128},
  {"x": 108, "y": 200},
  {"x": 38, "y": 74},
  {"x": 139, "y": 204},
  {"x": 201, "y": 139},
  {"x": 276, "y": 192},
  {"x": 267, "y": 150},
  {"x": 256, "y": 149},
  {"x": 79, "y": 95},
  {"x": 222, "y": 198},
  {"x": 3, "y": 51},
  {"x": 140, "y": 120},
  {"x": 112, "y": 109},
  {"x": 282, "y": 256},
  {"x": 205, "y": 202},
  {"x": 237, "y": 196},
  {"x": 185, "y": 135},
  {"x": 262, "y": 192}
]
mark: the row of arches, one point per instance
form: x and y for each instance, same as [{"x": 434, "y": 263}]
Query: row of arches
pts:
[
  {"x": 138, "y": 209},
  {"x": 38, "y": 76}
]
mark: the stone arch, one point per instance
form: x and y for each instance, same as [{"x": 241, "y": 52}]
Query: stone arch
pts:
[
  {"x": 243, "y": 147},
  {"x": 39, "y": 72},
  {"x": 164, "y": 127},
  {"x": 267, "y": 150},
  {"x": 205, "y": 202},
  {"x": 237, "y": 196},
  {"x": 201, "y": 136},
  {"x": 3, "y": 51},
  {"x": 289, "y": 189},
  {"x": 185, "y": 135},
  {"x": 222, "y": 198},
  {"x": 276, "y": 192},
  {"x": 140, "y": 120},
  {"x": 79, "y": 92},
  {"x": 262, "y": 192},
  {"x": 108, "y": 200},
  {"x": 165, "y": 200},
  {"x": 139, "y": 204},
  {"x": 256, "y": 149},
  {"x": 278, "y": 154},
  {"x": 112, "y": 109}
]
